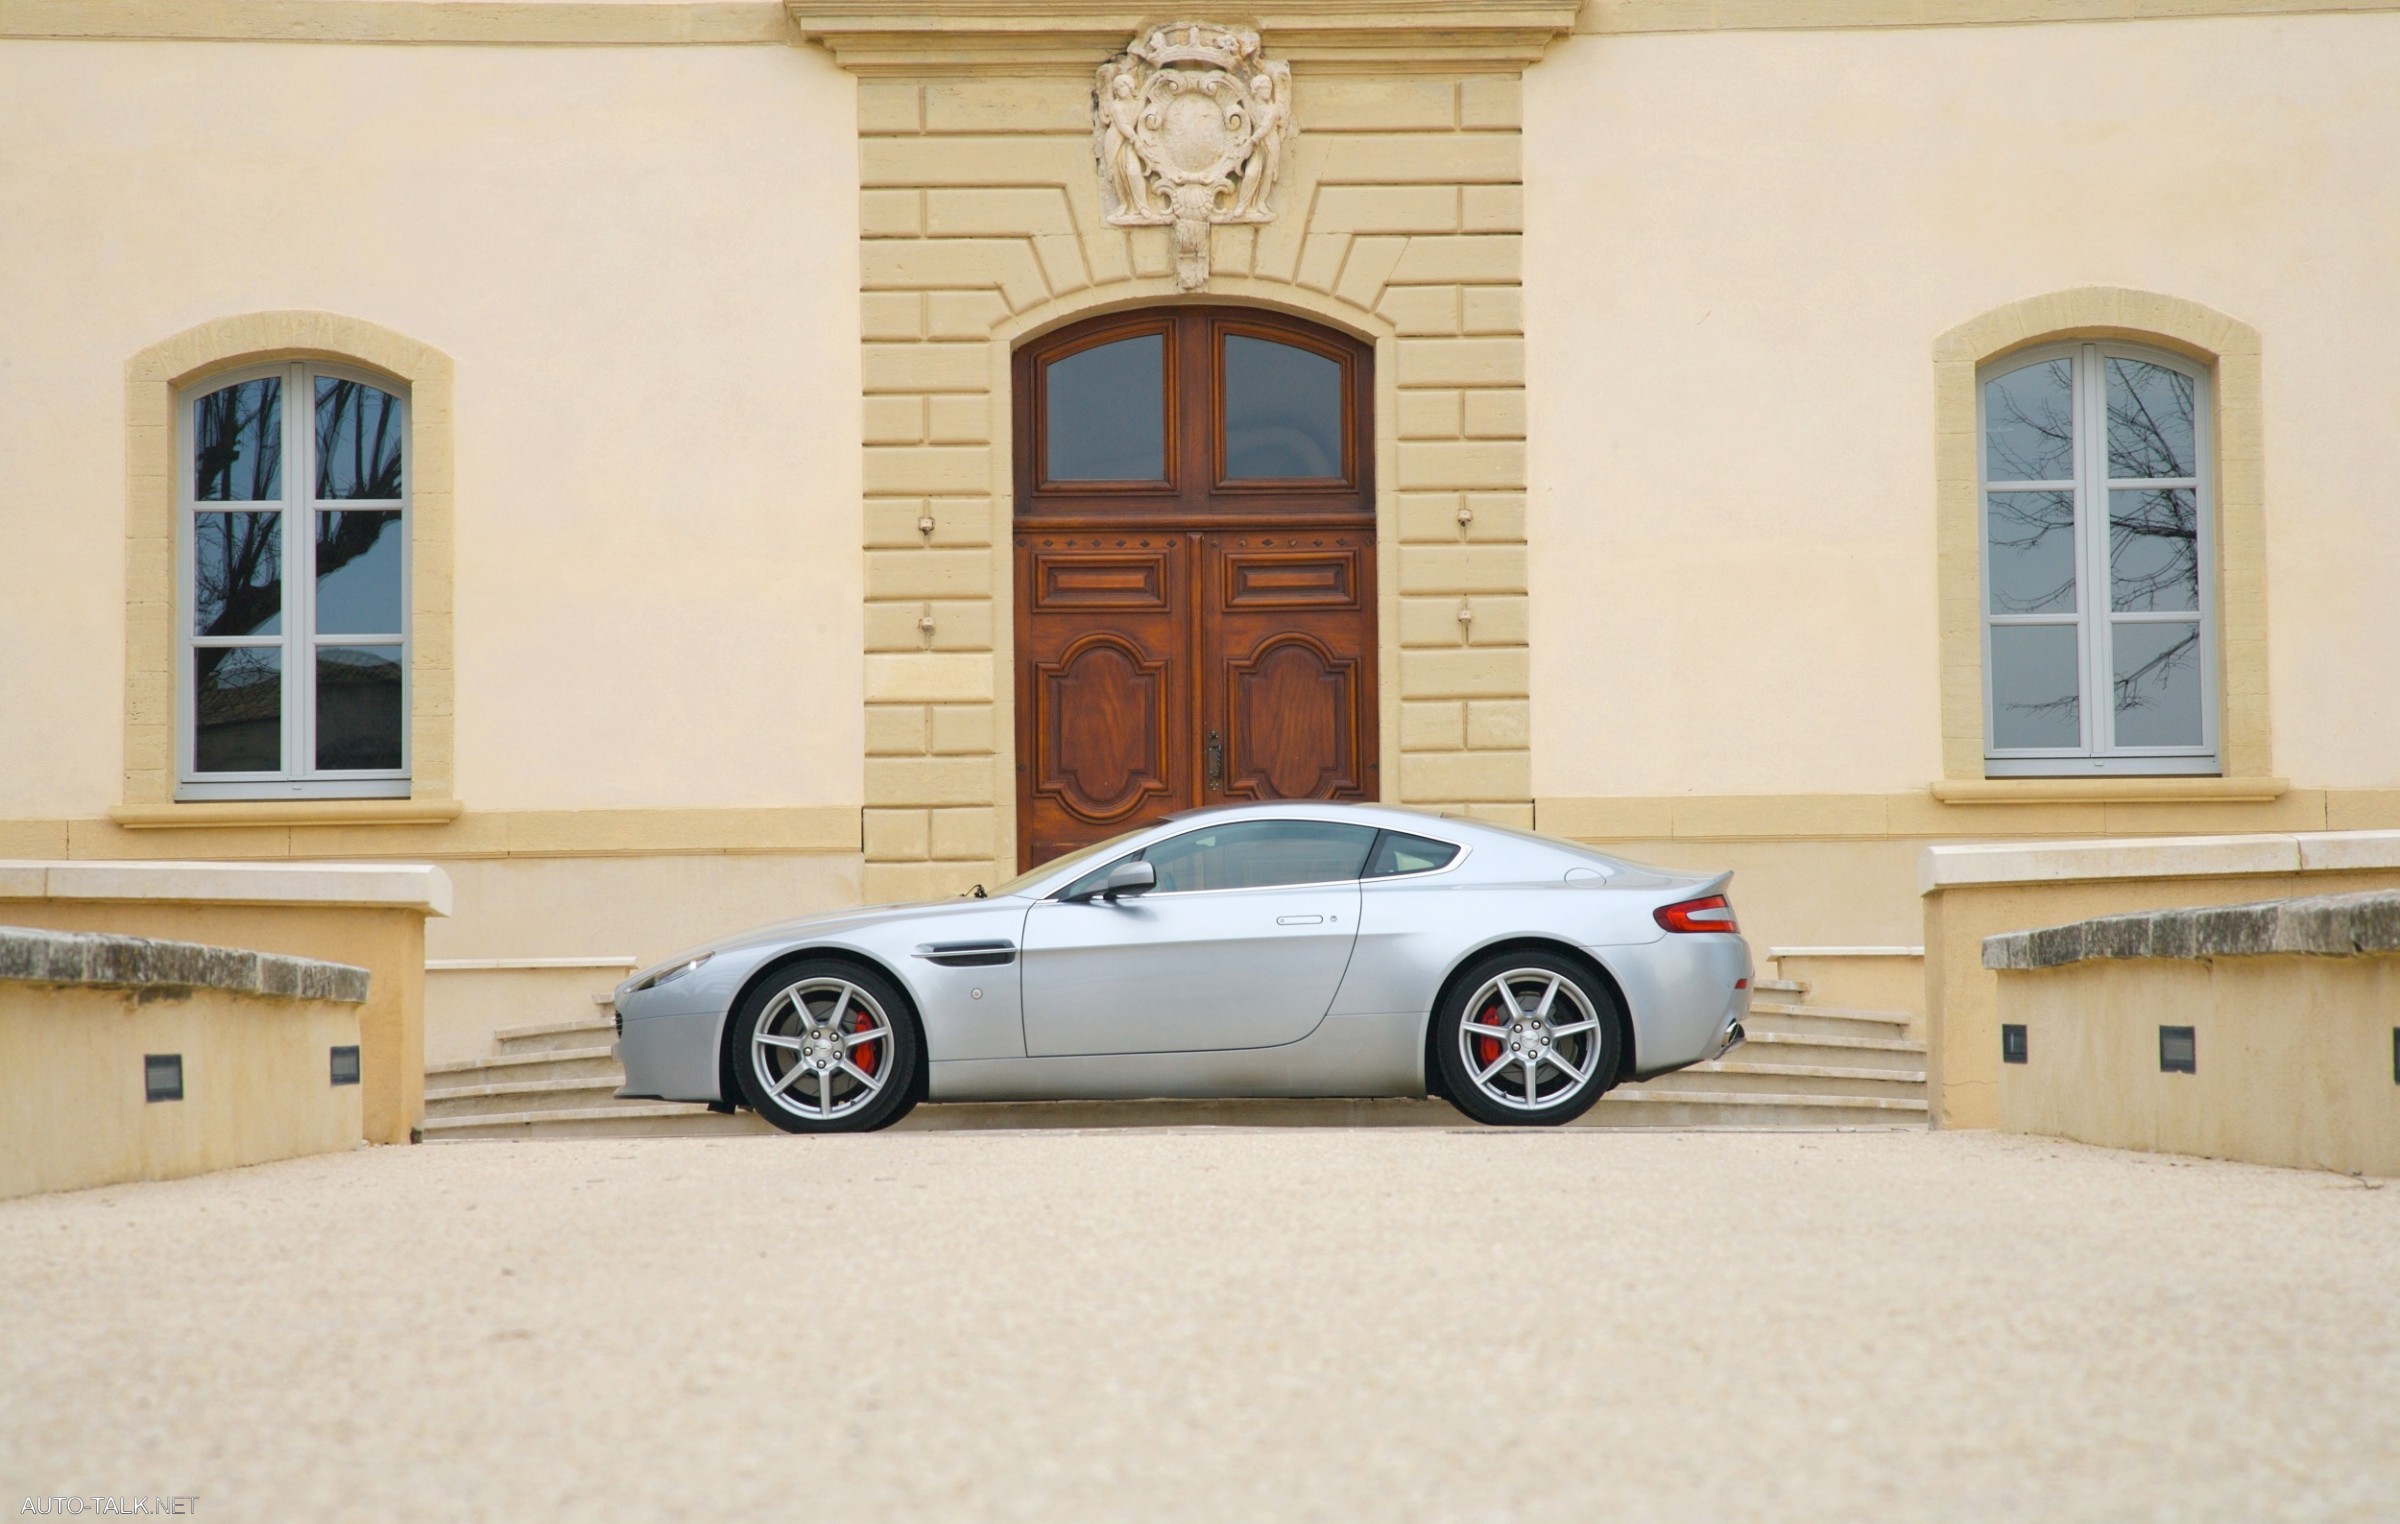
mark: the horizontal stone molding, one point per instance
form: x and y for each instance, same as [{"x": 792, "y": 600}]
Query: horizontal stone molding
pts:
[
  {"x": 493, "y": 22},
  {"x": 1845, "y": 952},
  {"x": 199, "y": 814},
  {"x": 350, "y": 828},
  {"x": 1630, "y": 17},
  {"x": 520, "y": 965},
  {"x": 141, "y": 964},
  {"x": 2332, "y": 925},
  {"x": 2109, "y": 790},
  {"x": 968, "y": 36},
  {"x": 400, "y": 886},
  {"x": 2083, "y": 810},
  {"x": 2050, "y": 862}
]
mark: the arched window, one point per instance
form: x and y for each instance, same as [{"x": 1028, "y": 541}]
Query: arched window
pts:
[
  {"x": 292, "y": 598},
  {"x": 2098, "y": 544}
]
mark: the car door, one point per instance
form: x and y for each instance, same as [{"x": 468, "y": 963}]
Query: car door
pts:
[{"x": 1241, "y": 944}]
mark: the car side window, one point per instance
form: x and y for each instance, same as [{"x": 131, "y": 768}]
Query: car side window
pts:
[
  {"x": 1250, "y": 854},
  {"x": 1397, "y": 852}
]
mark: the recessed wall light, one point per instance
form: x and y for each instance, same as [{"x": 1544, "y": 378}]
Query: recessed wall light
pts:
[
  {"x": 162, "y": 1076},
  {"x": 2012, "y": 1043},
  {"x": 2178, "y": 1051},
  {"x": 345, "y": 1066}
]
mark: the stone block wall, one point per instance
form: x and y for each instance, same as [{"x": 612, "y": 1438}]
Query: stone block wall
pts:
[{"x": 1398, "y": 216}]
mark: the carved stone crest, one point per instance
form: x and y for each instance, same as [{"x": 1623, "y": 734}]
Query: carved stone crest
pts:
[{"x": 1189, "y": 125}]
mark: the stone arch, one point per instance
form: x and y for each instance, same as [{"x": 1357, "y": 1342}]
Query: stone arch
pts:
[
  {"x": 2231, "y": 349},
  {"x": 152, "y": 377}
]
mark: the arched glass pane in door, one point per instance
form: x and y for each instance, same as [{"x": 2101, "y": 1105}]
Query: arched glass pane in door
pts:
[
  {"x": 1283, "y": 412},
  {"x": 1106, "y": 408}
]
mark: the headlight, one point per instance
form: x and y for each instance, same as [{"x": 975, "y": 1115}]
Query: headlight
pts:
[{"x": 669, "y": 975}]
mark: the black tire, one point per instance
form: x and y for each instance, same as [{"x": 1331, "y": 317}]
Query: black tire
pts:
[
  {"x": 854, "y": 1071},
  {"x": 1574, "y": 1045}
]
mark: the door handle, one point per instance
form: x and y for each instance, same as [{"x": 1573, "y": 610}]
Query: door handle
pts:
[
  {"x": 1216, "y": 762},
  {"x": 1299, "y": 920}
]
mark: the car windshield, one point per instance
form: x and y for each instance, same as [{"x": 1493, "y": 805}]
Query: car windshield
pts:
[{"x": 1026, "y": 880}]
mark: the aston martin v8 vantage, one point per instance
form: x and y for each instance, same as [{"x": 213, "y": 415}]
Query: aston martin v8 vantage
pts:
[{"x": 1258, "y": 950}]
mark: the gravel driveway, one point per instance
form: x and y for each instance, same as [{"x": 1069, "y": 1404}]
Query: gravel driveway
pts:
[{"x": 1215, "y": 1324}]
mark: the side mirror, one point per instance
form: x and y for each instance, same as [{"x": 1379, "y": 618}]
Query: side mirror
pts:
[{"x": 1129, "y": 878}]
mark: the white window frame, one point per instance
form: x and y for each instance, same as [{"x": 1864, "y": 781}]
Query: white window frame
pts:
[
  {"x": 299, "y": 505},
  {"x": 2097, "y": 752}
]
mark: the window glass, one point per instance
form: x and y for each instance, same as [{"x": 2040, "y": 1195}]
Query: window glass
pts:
[
  {"x": 2035, "y": 686},
  {"x": 358, "y": 707},
  {"x": 1283, "y": 412},
  {"x": 1105, "y": 412},
  {"x": 237, "y": 443},
  {"x": 2154, "y": 550},
  {"x": 1397, "y": 852},
  {"x": 358, "y": 441},
  {"x": 2157, "y": 682},
  {"x": 2029, "y": 424},
  {"x": 2029, "y": 552},
  {"x": 237, "y": 573},
  {"x": 237, "y": 709},
  {"x": 2150, "y": 425},
  {"x": 1250, "y": 854},
  {"x": 358, "y": 572}
]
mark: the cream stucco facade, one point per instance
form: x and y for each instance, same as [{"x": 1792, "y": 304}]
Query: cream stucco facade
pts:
[{"x": 707, "y": 309}]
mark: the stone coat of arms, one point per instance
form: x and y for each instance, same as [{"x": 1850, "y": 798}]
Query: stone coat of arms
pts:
[{"x": 1189, "y": 124}]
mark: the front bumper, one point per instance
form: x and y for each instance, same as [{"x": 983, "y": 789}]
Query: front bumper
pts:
[{"x": 670, "y": 1057}]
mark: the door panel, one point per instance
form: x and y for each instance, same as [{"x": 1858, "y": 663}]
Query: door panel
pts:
[
  {"x": 1104, "y": 687},
  {"x": 1173, "y": 973},
  {"x": 1288, "y": 666}
]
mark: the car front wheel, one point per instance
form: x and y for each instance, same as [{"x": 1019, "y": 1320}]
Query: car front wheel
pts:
[
  {"x": 827, "y": 1047},
  {"x": 1527, "y": 1039}
]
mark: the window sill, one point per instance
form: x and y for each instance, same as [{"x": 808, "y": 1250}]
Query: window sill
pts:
[
  {"x": 2120, "y": 790},
  {"x": 285, "y": 812}
]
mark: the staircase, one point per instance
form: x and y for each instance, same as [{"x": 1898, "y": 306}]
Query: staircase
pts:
[
  {"x": 556, "y": 1080},
  {"x": 1804, "y": 1066}
]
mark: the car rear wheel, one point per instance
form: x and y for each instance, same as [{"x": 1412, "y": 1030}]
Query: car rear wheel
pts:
[
  {"x": 827, "y": 1047},
  {"x": 1527, "y": 1039}
]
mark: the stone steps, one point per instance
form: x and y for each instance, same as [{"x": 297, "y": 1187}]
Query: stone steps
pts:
[
  {"x": 1733, "y": 1075},
  {"x": 1804, "y": 1066}
]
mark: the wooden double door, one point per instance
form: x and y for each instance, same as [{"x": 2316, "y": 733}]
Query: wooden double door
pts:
[{"x": 1195, "y": 570}]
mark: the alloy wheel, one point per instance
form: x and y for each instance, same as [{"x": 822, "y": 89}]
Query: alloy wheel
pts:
[
  {"x": 822, "y": 1049},
  {"x": 1530, "y": 1039}
]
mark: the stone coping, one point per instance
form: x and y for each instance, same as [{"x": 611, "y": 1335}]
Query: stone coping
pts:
[
  {"x": 404, "y": 886},
  {"x": 29, "y": 956},
  {"x": 2330, "y": 925},
  {"x": 2265, "y": 852}
]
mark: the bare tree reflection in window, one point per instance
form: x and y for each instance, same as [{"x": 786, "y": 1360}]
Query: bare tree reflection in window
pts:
[
  {"x": 2029, "y": 424},
  {"x": 237, "y": 444},
  {"x": 237, "y": 574},
  {"x": 358, "y": 441},
  {"x": 2150, "y": 421},
  {"x": 2154, "y": 550},
  {"x": 2032, "y": 552},
  {"x": 2148, "y": 683}
]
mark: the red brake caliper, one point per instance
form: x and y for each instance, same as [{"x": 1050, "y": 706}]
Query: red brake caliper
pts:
[
  {"x": 1487, "y": 1049},
  {"x": 864, "y": 1055}
]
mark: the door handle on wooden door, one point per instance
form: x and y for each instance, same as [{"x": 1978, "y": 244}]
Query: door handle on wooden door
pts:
[{"x": 1216, "y": 762}]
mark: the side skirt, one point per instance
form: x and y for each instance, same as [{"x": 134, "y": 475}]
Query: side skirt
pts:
[{"x": 1345, "y": 1056}]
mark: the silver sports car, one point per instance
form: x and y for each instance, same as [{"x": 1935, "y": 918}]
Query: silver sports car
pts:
[{"x": 1260, "y": 950}]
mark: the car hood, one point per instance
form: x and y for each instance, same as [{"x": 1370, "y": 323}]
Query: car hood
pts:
[{"x": 832, "y": 925}]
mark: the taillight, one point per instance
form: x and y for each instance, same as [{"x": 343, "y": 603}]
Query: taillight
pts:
[{"x": 1710, "y": 914}]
